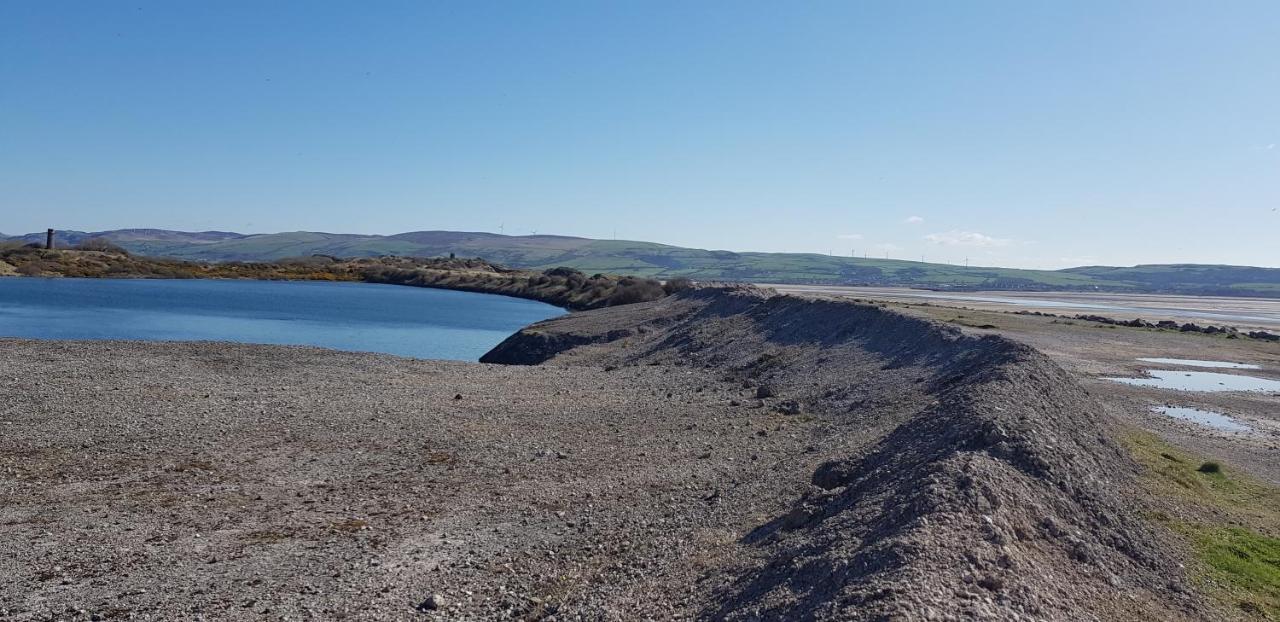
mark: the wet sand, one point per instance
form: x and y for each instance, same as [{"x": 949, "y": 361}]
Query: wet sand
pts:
[{"x": 1243, "y": 313}]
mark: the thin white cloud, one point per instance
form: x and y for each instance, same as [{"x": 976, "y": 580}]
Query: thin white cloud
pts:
[
  {"x": 1271, "y": 146},
  {"x": 850, "y": 236},
  {"x": 914, "y": 220},
  {"x": 886, "y": 246},
  {"x": 966, "y": 238}
]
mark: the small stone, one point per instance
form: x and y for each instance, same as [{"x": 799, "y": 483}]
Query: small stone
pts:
[{"x": 432, "y": 603}]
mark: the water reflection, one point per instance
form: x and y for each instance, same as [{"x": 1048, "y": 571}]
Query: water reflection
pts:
[
  {"x": 1209, "y": 418},
  {"x": 1200, "y": 363},
  {"x": 1201, "y": 381}
]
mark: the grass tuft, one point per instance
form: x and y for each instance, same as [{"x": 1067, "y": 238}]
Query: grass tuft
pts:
[{"x": 1210, "y": 467}]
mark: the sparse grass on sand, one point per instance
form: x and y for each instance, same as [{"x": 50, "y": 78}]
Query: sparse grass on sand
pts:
[{"x": 1229, "y": 519}]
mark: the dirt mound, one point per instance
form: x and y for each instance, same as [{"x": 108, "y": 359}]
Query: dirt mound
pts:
[{"x": 994, "y": 490}]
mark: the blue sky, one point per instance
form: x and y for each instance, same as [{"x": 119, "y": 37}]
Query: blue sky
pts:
[{"x": 1028, "y": 134}]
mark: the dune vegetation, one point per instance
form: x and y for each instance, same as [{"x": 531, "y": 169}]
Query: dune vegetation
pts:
[{"x": 564, "y": 287}]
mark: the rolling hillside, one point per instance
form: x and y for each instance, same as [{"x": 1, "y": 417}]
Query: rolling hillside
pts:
[{"x": 663, "y": 261}]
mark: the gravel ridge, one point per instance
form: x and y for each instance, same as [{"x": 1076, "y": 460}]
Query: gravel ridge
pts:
[{"x": 1003, "y": 496}]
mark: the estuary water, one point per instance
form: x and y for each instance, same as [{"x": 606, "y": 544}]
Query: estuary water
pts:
[{"x": 406, "y": 321}]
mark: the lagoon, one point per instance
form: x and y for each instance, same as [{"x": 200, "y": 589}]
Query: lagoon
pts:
[{"x": 405, "y": 321}]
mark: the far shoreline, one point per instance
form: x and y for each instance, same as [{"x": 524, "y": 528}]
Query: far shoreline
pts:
[{"x": 562, "y": 287}]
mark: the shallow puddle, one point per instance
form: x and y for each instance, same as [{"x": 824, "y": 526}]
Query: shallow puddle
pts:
[
  {"x": 1204, "y": 417},
  {"x": 1200, "y": 363},
  {"x": 1201, "y": 381}
]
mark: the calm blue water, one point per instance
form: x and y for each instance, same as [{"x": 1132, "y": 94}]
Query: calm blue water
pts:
[{"x": 408, "y": 321}]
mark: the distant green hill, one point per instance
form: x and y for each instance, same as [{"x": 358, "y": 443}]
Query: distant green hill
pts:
[{"x": 663, "y": 261}]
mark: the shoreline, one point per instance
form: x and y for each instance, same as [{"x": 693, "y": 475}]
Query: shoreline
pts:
[{"x": 562, "y": 287}]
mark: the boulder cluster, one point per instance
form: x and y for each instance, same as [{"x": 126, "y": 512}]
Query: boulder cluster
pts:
[{"x": 1187, "y": 327}]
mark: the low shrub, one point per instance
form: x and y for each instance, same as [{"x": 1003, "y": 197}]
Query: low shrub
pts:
[
  {"x": 102, "y": 245},
  {"x": 1210, "y": 467},
  {"x": 678, "y": 284},
  {"x": 632, "y": 290},
  {"x": 32, "y": 268}
]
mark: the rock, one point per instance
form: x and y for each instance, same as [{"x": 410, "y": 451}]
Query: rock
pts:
[
  {"x": 789, "y": 407},
  {"x": 994, "y": 584},
  {"x": 764, "y": 391},
  {"x": 798, "y": 517},
  {"x": 434, "y": 602},
  {"x": 1053, "y": 527},
  {"x": 833, "y": 474}
]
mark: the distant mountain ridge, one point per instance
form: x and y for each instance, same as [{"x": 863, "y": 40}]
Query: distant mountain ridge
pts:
[{"x": 665, "y": 261}]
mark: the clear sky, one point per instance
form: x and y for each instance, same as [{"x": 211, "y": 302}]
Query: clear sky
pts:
[{"x": 1028, "y": 134}]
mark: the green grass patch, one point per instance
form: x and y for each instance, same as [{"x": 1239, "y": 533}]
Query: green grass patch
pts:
[
  {"x": 1230, "y": 517},
  {"x": 1243, "y": 567},
  {"x": 1172, "y": 471}
]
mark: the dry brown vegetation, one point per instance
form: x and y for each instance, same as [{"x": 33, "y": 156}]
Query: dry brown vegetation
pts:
[{"x": 563, "y": 287}]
